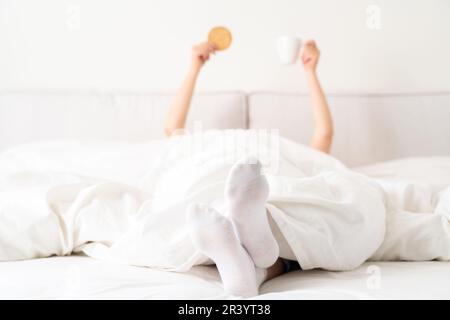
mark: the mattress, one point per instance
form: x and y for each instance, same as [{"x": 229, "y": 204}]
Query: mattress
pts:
[{"x": 80, "y": 277}]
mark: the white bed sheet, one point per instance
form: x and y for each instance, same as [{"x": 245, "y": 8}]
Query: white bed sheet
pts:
[{"x": 79, "y": 277}]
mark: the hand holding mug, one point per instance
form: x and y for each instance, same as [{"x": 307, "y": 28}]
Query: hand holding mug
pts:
[
  {"x": 310, "y": 56},
  {"x": 289, "y": 52}
]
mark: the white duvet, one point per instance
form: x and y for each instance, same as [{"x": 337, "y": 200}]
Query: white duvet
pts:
[{"x": 126, "y": 203}]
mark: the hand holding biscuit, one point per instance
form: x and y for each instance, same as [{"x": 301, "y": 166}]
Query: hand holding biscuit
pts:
[
  {"x": 219, "y": 38},
  {"x": 201, "y": 53}
]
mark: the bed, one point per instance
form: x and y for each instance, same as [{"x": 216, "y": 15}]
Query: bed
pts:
[{"x": 371, "y": 131}]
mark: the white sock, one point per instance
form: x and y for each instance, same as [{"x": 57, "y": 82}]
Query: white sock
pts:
[
  {"x": 246, "y": 191},
  {"x": 214, "y": 235}
]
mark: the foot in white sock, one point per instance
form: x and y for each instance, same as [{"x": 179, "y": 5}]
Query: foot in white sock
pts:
[
  {"x": 246, "y": 191},
  {"x": 214, "y": 236}
]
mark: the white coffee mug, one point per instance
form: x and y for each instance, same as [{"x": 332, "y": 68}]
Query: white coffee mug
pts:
[{"x": 288, "y": 49}]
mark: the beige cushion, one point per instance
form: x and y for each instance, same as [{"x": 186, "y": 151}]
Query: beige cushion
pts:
[
  {"x": 26, "y": 117},
  {"x": 368, "y": 128}
]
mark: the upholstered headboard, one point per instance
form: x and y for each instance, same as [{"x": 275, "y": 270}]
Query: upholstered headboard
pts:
[{"x": 368, "y": 128}]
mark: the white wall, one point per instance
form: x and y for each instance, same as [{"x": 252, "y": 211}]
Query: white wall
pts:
[{"x": 144, "y": 44}]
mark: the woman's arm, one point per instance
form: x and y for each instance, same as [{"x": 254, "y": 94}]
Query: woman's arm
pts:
[
  {"x": 180, "y": 106},
  {"x": 323, "y": 122}
]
